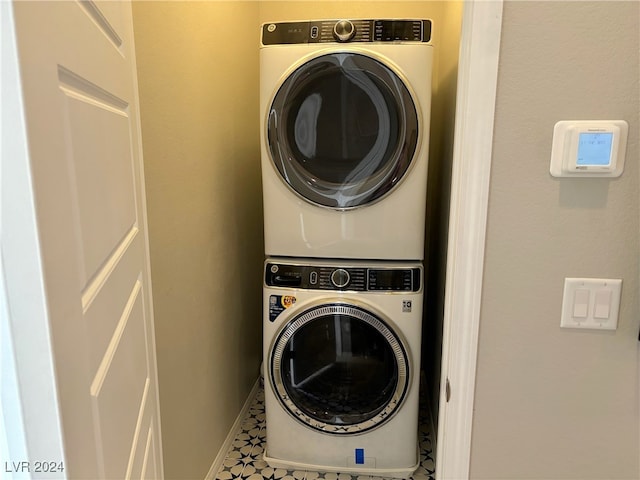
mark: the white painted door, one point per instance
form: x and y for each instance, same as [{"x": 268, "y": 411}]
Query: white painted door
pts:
[{"x": 77, "y": 68}]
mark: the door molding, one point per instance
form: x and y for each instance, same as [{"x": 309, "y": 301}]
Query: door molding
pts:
[
  {"x": 30, "y": 424},
  {"x": 472, "y": 150}
]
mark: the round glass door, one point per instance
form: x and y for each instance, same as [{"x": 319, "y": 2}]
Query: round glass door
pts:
[
  {"x": 342, "y": 130},
  {"x": 338, "y": 368}
]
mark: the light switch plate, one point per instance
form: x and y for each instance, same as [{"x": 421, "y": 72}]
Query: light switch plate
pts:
[{"x": 599, "y": 296}]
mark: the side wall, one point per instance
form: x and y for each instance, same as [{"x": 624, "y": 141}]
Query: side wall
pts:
[
  {"x": 198, "y": 101},
  {"x": 551, "y": 402}
]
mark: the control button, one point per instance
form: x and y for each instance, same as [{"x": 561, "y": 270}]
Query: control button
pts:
[
  {"x": 340, "y": 278},
  {"x": 344, "y": 30},
  {"x": 602, "y": 308},
  {"x": 314, "y": 32},
  {"x": 581, "y": 303},
  {"x": 313, "y": 278}
]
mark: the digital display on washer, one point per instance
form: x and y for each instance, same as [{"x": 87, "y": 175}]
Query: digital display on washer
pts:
[
  {"x": 394, "y": 30},
  {"x": 391, "y": 279}
]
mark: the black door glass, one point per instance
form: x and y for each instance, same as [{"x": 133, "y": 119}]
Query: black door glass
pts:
[
  {"x": 342, "y": 130},
  {"x": 339, "y": 370}
]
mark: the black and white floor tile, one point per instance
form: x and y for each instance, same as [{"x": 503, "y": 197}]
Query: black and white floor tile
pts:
[{"x": 244, "y": 459}]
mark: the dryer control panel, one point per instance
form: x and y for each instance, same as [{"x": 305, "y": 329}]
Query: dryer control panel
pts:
[
  {"x": 323, "y": 31},
  {"x": 328, "y": 277}
]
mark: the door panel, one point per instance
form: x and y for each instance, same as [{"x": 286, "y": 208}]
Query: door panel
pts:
[
  {"x": 80, "y": 99},
  {"x": 106, "y": 302},
  {"x": 142, "y": 462},
  {"x": 119, "y": 386},
  {"x": 108, "y": 18},
  {"x": 102, "y": 171}
]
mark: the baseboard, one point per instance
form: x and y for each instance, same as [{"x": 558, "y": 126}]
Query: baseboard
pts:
[{"x": 233, "y": 432}]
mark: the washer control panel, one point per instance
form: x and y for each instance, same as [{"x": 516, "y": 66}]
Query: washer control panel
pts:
[
  {"x": 359, "y": 279},
  {"x": 344, "y": 30}
]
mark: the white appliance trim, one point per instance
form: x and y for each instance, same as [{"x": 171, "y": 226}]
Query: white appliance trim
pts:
[{"x": 475, "y": 112}]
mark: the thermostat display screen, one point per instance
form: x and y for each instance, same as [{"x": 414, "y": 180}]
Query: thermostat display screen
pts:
[{"x": 594, "y": 149}]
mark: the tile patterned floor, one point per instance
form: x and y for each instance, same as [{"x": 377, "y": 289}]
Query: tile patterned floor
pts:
[{"x": 244, "y": 459}]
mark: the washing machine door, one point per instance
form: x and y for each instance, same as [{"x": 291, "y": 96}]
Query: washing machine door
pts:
[
  {"x": 339, "y": 368},
  {"x": 342, "y": 130}
]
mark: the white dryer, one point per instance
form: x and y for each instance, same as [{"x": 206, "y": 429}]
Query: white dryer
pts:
[
  {"x": 341, "y": 361},
  {"x": 345, "y": 110}
]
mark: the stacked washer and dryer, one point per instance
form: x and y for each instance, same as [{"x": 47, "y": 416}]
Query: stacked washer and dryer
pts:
[{"x": 346, "y": 109}]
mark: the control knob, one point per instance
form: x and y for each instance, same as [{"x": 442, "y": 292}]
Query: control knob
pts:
[
  {"x": 344, "y": 30},
  {"x": 340, "y": 278}
]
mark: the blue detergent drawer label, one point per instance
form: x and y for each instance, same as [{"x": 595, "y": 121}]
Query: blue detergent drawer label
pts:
[{"x": 359, "y": 456}]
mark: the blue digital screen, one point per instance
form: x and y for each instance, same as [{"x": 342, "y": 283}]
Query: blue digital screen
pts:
[{"x": 594, "y": 149}]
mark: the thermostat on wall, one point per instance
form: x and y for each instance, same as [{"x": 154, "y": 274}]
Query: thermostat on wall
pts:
[{"x": 588, "y": 148}]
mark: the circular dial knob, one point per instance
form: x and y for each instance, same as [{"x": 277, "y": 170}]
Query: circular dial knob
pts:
[
  {"x": 340, "y": 277},
  {"x": 344, "y": 30}
]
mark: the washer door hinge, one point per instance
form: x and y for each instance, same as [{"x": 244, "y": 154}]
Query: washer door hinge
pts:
[{"x": 447, "y": 391}]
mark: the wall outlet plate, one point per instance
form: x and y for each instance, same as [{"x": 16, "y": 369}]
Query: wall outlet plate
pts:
[{"x": 591, "y": 303}]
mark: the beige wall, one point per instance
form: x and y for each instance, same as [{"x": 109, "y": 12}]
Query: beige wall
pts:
[
  {"x": 304, "y": 10},
  {"x": 550, "y": 402},
  {"x": 197, "y": 72}
]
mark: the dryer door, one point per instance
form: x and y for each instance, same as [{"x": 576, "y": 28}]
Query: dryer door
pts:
[
  {"x": 342, "y": 130},
  {"x": 339, "y": 368}
]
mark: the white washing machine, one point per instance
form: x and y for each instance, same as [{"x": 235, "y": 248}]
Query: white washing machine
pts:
[
  {"x": 345, "y": 110},
  {"x": 341, "y": 361}
]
